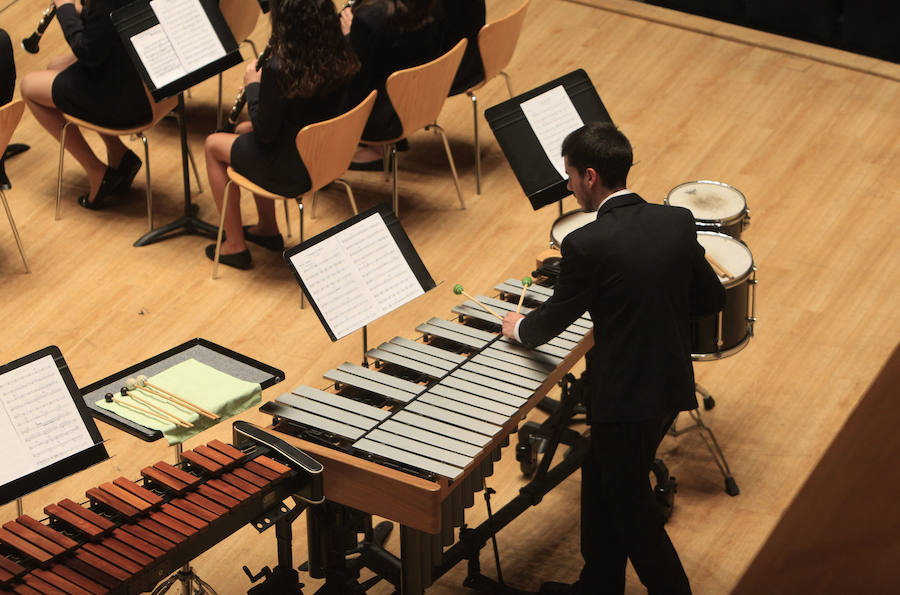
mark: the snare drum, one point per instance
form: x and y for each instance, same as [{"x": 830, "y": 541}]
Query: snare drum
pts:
[
  {"x": 727, "y": 332},
  {"x": 567, "y": 223},
  {"x": 716, "y": 206}
]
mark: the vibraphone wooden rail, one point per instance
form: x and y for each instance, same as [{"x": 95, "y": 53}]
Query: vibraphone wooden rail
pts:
[
  {"x": 413, "y": 438},
  {"x": 131, "y": 534}
]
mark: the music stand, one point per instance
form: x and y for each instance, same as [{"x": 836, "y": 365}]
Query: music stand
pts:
[
  {"x": 187, "y": 61},
  {"x": 358, "y": 271},
  {"x": 45, "y": 423}
]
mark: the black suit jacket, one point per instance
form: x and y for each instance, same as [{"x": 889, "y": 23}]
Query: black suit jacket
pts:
[
  {"x": 7, "y": 69},
  {"x": 641, "y": 274}
]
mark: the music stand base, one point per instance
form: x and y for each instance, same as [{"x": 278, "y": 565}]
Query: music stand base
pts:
[{"x": 183, "y": 225}]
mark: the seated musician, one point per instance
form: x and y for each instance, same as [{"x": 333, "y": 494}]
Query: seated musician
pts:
[
  {"x": 304, "y": 81},
  {"x": 97, "y": 83},
  {"x": 640, "y": 272},
  {"x": 387, "y": 35},
  {"x": 464, "y": 19},
  {"x": 7, "y": 88}
]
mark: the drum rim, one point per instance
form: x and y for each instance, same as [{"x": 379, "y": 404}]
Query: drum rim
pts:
[
  {"x": 748, "y": 272},
  {"x": 702, "y": 357},
  {"x": 553, "y": 240},
  {"x": 721, "y": 222}
]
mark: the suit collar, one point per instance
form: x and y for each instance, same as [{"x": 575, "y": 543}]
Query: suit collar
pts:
[{"x": 623, "y": 200}]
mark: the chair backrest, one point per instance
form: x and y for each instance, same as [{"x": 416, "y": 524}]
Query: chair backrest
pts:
[
  {"x": 327, "y": 148},
  {"x": 241, "y": 16},
  {"x": 10, "y": 115},
  {"x": 418, "y": 93},
  {"x": 497, "y": 41}
]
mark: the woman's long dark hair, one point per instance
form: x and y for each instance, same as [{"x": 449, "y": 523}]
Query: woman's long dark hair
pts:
[{"x": 314, "y": 57}]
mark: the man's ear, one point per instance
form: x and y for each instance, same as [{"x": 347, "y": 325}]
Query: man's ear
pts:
[{"x": 591, "y": 177}]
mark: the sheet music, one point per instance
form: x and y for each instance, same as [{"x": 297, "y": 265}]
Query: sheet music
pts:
[
  {"x": 552, "y": 116},
  {"x": 39, "y": 422},
  {"x": 190, "y": 32},
  {"x": 158, "y": 56},
  {"x": 357, "y": 275}
]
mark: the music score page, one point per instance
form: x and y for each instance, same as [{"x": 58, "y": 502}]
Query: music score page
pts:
[
  {"x": 182, "y": 42},
  {"x": 356, "y": 276},
  {"x": 552, "y": 116},
  {"x": 39, "y": 422}
]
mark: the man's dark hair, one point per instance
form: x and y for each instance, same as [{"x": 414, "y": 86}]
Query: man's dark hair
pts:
[{"x": 600, "y": 145}]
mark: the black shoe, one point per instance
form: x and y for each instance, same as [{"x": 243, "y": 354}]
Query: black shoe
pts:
[
  {"x": 274, "y": 243},
  {"x": 4, "y": 181},
  {"x": 554, "y": 588},
  {"x": 110, "y": 179},
  {"x": 238, "y": 260},
  {"x": 374, "y": 165},
  {"x": 128, "y": 168}
]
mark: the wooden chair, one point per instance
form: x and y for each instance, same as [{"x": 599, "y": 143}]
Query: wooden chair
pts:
[
  {"x": 159, "y": 109},
  {"x": 10, "y": 115},
  {"x": 326, "y": 149},
  {"x": 418, "y": 94},
  {"x": 241, "y": 17},
  {"x": 496, "y": 44}
]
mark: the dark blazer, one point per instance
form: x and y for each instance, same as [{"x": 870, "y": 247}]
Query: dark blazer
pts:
[
  {"x": 7, "y": 69},
  {"x": 641, "y": 274}
]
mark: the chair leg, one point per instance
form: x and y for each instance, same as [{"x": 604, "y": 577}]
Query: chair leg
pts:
[
  {"x": 462, "y": 203},
  {"x": 62, "y": 154},
  {"x": 508, "y": 84},
  {"x": 476, "y": 144},
  {"x": 315, "y": 199},
  {"x": 287, "y": 219},
  {"x": 394, "y": 167},
  {"x": 15, "y": 231},
  {"x": 349, "y": 195},
  {"x": 221, "y": 227},
  {"x": 149, "y": 188}
]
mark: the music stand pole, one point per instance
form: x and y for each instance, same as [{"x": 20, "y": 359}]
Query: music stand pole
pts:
[
  {"x": 189, "y": 222},
  {"x": 365, "y": 338},
  {"x": 19, "y": 509}
]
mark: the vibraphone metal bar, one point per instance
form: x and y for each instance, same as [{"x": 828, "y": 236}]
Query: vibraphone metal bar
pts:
[
  {"x": 434, "y": 417},
  {"x": 131, "y": 534}
]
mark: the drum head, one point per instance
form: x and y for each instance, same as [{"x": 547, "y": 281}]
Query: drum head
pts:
[
  {"x": 709, "y": 201},
  {"x": 567, "y": 223},
  {"x": 732, "y": 254}
]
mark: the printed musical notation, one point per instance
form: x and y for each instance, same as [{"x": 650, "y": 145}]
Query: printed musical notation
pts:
[
  {"x": 552, "y": 116},
  {"x": 357, "y": 275},
  {"x": 39, "y": 422}
]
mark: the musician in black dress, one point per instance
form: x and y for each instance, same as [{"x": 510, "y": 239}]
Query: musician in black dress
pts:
[
  {"x": 303, "y": 81},
  {"x": 388, "y": 35},
  {"x": 96, "y": 83},
  {"x": 7, "y": 88}
]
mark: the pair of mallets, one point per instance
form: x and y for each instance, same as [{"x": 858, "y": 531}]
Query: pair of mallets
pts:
[
  {"x": 133, "y": 385},
  {"x": 526, "y": 282}
]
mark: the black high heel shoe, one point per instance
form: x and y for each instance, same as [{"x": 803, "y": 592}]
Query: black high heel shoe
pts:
[
  {"x": 128, "y": 168},
  {"x": 110, "y": 179}
]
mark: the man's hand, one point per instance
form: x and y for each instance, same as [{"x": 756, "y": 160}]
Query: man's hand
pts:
[{"x": 509, "y": 324}]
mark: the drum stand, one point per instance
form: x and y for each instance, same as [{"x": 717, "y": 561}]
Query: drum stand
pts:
[{"x": 709, "y": 439}]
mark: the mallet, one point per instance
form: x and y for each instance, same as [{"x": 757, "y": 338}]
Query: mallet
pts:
[
  {"x": 458, "y": 290},
  {"x": 129, "y": 391},
  {"x": 161, "y": 392},
  {"x": 526, "y": 282}
]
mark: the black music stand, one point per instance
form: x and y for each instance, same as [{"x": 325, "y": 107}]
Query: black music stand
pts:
[
  {"x": 539, "y": 179},
  {"x": 49, "y": 426},
  {"x": 137, "y": 18}
]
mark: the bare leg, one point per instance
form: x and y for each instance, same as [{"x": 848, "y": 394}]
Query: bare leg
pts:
[
  {"x": 267, "y": 224},
  {"x": 36, "y": 91},
  {"x": 218, "y": 157}
]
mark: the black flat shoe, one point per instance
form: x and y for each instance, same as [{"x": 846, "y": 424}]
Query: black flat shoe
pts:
[
  {"x": 274, "y": 243},
  {"x": 110, "y": 179},
  {"x": 128, "y": 168},
  {"x": 238, "y": 260}
]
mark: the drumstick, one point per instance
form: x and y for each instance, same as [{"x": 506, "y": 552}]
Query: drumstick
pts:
[
  {"x": 110, "y": 398},
  {"x": 126, "y": 393},
  {"x": 458, "y": 290},
  {"x": 142, "y": 383},
  {"x": 717, "y": 267},
  {"x": 526, "y": 281}
]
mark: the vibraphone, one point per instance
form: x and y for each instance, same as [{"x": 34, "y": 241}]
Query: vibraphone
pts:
[
  {"x": 131, "y": 534},
  {"x": 413, "y": 438}
]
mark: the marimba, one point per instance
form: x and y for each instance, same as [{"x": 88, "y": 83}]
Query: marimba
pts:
[
  {"x": 131, "y": 534},
  {"x": 412, "y": 438}
]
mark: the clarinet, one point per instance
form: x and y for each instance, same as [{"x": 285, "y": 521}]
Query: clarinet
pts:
[
  {"x": 30, "y": 44},
  {"x": 241, "y": 98}
]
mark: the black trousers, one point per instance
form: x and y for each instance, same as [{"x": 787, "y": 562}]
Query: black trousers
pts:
[{"x": 619, "y": 517}]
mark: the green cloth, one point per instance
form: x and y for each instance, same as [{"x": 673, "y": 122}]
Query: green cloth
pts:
[{"x": 198, "y": 383}]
